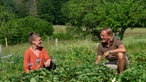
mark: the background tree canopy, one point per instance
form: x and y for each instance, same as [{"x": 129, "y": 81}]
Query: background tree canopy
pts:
[
  {"x": 96, "y": 14},
  {"x": 82, "y": 16}
]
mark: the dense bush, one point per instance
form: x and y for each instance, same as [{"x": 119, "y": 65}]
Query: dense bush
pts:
[
  {"x": 136, "y": 72},
  {"x": 18, "y": 29}
]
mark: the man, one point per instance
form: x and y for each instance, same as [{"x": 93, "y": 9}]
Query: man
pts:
[{"x": 113, "y": 50}]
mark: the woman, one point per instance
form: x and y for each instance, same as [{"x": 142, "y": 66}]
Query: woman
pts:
[{"x": 36, "y": 56}]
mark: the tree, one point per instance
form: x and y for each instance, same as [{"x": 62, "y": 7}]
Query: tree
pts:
[
  {"x": 121, "y": 15},
  {"x": 33, "y": 7},
  {"x": 21, "y": 8},
  {"x": 4, "y": 18},
  {"x": 50, "y": 10},
  {"x": 46, "y": 10},
  {"x": 96, "y": 14},
  {"x": 8, "y": 4},
  {"x": 59, "y": 17}
]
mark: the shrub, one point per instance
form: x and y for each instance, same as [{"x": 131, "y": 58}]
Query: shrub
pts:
[
  {"x": 134, "y": 73},
  {"x": 21, "y": 28}
]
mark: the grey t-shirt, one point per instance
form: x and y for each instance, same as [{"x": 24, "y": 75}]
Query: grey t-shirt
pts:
[{"x": 102, "y": 47}]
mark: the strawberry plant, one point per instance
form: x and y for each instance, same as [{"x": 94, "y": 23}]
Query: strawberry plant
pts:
[
  {"x": 76, "y": 64},
  {"x": 136, "y": 72}
]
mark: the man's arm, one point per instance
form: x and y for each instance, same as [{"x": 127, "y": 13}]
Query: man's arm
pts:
[
  {"x": 120, "y": 49},
  {"x": 98, "y": 59}
]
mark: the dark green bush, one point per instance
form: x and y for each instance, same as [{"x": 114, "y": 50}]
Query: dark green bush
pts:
[
  {"x": 136, "y": 72},
  {"x": 18, "y": 29}
]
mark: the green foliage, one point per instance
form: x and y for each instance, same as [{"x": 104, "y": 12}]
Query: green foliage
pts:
[
  {"x": 8, "y": 4},
  {"x": 84, "y": 73},
  {"x": 75, "y": 53},
  {"x": 4, "y": 18},
  {"x": 134, "y": 73},
  {"x": 13, "y": 66},
  {"x": 71, "y": 33},
  {"x": 75, "y": 32},
  {"x": 139, "y": 57},
  {"x": 35, "y": 24},
  {"x": 93, "y": 15},
  {"x": 60, "y": 18},
  {"x": 90, "y": 13},
  {"x": 62, "y": 36},
  {"x": 21, "y": 8},
  {"x": 75, "y": 64},
  {"x": 21, "y": 27},
  {"x": 45, "y": 8},
  {"x": 121, "y": 15},
  {"x": 50, "y": 10}
]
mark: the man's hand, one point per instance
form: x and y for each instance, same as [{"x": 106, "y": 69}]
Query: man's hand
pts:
[
  {"x": 106, "y": 54},
  {"x": 98, "y": 59}
]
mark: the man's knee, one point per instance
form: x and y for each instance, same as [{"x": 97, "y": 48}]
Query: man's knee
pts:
[{"x": 121, "y": 55}]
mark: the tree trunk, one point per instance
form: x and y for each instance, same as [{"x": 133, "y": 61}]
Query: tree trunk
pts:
[
  {"x": 121, "y": 33},
  {"x": 33, "y": 7}
]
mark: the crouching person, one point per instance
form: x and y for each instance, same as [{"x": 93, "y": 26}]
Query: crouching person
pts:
[
  {"x": 36, "y": 56},
  {"x": 113, "y": 50}
]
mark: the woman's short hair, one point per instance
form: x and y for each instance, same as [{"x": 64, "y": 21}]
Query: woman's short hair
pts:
[{"x": 33, "y": 36}]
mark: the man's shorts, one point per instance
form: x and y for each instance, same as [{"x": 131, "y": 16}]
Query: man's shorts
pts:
[{"x": 114, "y": 64}]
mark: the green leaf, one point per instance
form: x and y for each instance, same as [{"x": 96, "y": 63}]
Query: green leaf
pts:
[{"x": 33, "y": 80}]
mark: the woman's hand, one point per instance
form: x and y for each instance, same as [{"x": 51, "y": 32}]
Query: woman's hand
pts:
[{"x": 47, "y": 63}]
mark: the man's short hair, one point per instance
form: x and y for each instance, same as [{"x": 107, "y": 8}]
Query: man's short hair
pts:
[{"x": 108, "y": 30}]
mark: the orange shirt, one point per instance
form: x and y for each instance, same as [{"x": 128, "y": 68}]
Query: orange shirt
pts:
[{"x": 32, "y": 62}]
